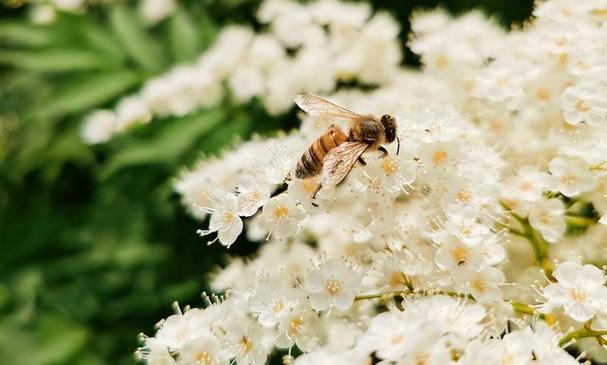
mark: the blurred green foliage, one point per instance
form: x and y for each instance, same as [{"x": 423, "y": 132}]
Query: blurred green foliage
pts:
[{"x": 95, "y": 245}]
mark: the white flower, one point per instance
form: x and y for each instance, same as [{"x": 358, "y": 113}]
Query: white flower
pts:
[
  {"x": 484, "y": 284},
  {"x": 302, "y": 328},
  {"x": 132, "y": 110},
  {"x": 246, "y": 82},
  {"x": 247, "y": 341},
  {"x": 548, "y": 218},
  {"x": 571, "y": 176},
  {"x": 203, "y": 350},
  {"x": 153, "y": 11},
  {"x": 586, "y": 101},
  {"x": 253, "y": 193},
  {"x": 99, "y": 126},
  {"x": 281, "y": 216},
  {"x": 224, "y": 218},
  {"x": 579, "y": 290},
  {"x": 452, "y": 254},
  {"x": 272, "y": 300},
  {"x": 391, "y": 335},
  {"x": 332, "y": 285}
]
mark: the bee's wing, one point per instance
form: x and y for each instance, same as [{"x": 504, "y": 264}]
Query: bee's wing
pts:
[
  {"x": 319, "y": 107},
  {"x": 339, "y": 161}
]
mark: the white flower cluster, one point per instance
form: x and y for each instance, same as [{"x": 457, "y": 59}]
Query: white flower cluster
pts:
[
  {"x": 305, "y": 48},
  {"x": 479, "y": 242},
  {"x": 45, "y": 11}
]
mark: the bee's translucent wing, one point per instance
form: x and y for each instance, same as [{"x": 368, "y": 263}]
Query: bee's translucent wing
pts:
[
  {"x": 339, "y": 161},
  {"x": 319, "y": 107}
]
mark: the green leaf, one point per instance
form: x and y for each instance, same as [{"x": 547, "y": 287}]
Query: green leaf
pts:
[
  {"x": 184, "y": 38},
  {"x": 102, "y": 40},
  {"x": 142, "y": 48},
  {"x": 167, "y": 145},
  {"x": 56, "y": 60},
  {"x": 25, "y": 34},
  {"x": 87, "y": 93}
]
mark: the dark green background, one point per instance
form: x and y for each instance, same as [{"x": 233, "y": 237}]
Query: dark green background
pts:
[{"x": 94, "y": 244}]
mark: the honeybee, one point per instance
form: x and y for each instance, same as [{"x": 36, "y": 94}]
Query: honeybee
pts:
[{"x": 334, "y": 153}]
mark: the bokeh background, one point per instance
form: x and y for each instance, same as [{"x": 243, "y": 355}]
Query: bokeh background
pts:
[{"x": 94, "y": 243}]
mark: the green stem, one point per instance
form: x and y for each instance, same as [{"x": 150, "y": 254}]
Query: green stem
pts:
[
  {"x": 535, "y": 239},
  {"x": 584, "y": 332},
  {"x": 576, "y": 220}
]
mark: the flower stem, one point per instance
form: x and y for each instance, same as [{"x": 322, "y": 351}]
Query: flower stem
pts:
[
  {"x": 579, "y": 221},
  {"x": 535, "y": 239},
  {"x": 584, "y": 332}
]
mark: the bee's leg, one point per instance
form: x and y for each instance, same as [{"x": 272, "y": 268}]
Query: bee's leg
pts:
[
  {"x": 316, "y": 191},
  {"x": 362, "y": 161},
  {"x": 383, "y": 151}
]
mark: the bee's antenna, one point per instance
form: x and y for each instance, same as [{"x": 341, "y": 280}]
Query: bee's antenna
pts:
[{"x": 397, "y": 145}]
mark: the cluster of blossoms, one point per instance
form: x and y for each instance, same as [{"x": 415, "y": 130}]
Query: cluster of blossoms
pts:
[
  {"x": 305, "y": 48},
  {"x": 480, "y": 242},
  {"x": 45, "y": 11}
]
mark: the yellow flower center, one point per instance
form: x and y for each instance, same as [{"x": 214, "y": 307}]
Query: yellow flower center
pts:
[
  {"x": 281, "y": 211},
  {"x": 460, "y": 254},
  {"x": 581, "y": 106},
  {"x": 578, "y": 295},
  {"x": 247, "y": 344},
  {"x": 389, "y": 166},
  {"x": 464, "y": 196},
  {"x": 442, "y": 62},
  {"x": 295, "y": 325},
  {"x": 422, "y": 359},
  {"x": 568, "y": 180},
  {"x": 479, "y": 285},
  {"x": 203, "y": 358},
  {"x": 228, "y": 217},
  {"x": 525, "y": 186},
  {"x": 333, "y": 287},
  {"x": 278, "y": 306},
  {"x": 398, "y": 339},
  {"x": 542, "y": 94},
  {"x": 544, "y": 217},
  {"x": 439, "y": 157}
]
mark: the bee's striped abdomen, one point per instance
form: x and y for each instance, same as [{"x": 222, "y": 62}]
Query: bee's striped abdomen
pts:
[{"x": 310, "y": 163}]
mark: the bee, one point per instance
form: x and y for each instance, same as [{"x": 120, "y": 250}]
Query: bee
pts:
[{"x": 334, "y": 153}]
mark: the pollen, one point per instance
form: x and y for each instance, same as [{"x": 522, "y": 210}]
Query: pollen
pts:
[
  {"x": 281, "y": 211},
  {"x": 568, "y": 180},
  {"x": 439, "y": 157},
  {"x": 389, "y": 166},
  {"x": 479, "y": 285},
  {"x": 526, "y": 186},
  {"x": 295, "y": 325},
  {"x": 463, "y": 196},
  {"x": 544, "y": 217},
  {"x": 228, "y": 217},
  {"x": 203, "y": 358},
  {"x": 422, "y": 359},
  {"x": 578, "y": 295},
  {"x": 442, "y": 62},
  {"x": 279, "y": 306},
  {"x": 398, "y": 339},
  {"x": 333, "y": 287},
  {"x": 246, "y": 343},
  {"x": 542, "y": 94},
  {"x": 581, "y": 106},
  {"x": 460, "y": 254}
]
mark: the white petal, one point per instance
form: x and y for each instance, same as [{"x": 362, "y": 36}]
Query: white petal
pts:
[
  {"x": 228, "y": 236},
  {"x": 319, "y": 301}
]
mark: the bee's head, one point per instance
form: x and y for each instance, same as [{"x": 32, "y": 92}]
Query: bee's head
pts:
[{"x": 389, "y": 123}]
